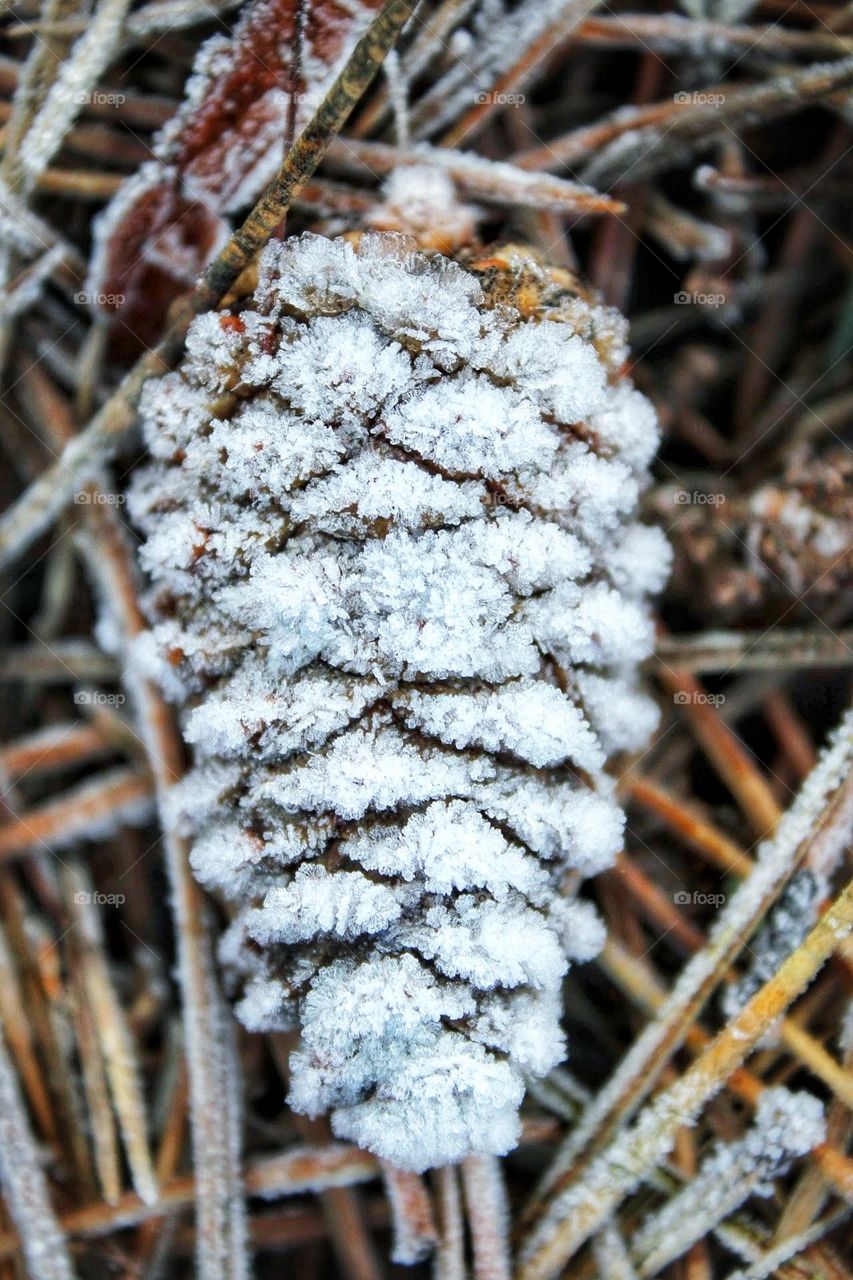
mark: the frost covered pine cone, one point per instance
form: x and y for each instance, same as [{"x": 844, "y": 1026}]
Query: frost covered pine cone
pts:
[{"x": 397, "y": 586}]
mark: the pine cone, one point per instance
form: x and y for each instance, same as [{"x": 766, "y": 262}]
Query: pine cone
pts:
[{"x": 398, "y": 589}]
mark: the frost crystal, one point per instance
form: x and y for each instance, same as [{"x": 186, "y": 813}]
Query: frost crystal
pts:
[{"x": 396, "y": 583}]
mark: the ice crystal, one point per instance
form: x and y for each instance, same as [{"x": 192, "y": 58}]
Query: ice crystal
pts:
[{"x": 396, "y": 583}]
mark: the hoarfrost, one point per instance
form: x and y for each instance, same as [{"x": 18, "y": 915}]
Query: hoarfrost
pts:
[{"x": 397, "y": 584}]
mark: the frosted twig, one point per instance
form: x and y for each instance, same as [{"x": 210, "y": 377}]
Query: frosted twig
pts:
[
  {"x": 479, "y": 81},
  {"x": 110, "y": 1023},
  {"x": 54, "y": 747},
  {"x": 560, "y": 1093},
  {"x": 299, "y": 1171},
  {"x": 19, "y": 1036},
  {"x": 93, "y": 809},
  {"x": 485, "y": 1200},
  {"x": 784, "y": 929},
  {"x": 214, "y": 1077},
  {"x": 611, "y": 1256},
  {"x": 684, "y": 235},
  {"x": 38, "y": 962},
  {"x": 812, "y": 1191},
  {"x": 777, "y": 858},
  {"x": 411, "y": 1214},
  {"x": 398, "y": 91},
  {"x": 26, "y": 289},
  {"x": 475, "y": 176},
  {"x": 529, "y": 50},
  {"x": 756, "y": 651},
  {"x": 693, "y": 128},
  {"x": 24, "y": 1185},
  {"x": 101, "y": 1118},
  {"x": 65, "y": 662},
  {"x": 171, "y": 1140},
  {"x": 786, "y": 1126},
  {"x": 636, "y": 129},
  {"x": 430, "y": 42},
  {"x": 173, "y": 15},
  {"x": 450, "y": 1256},
  {"x": 33, "y": 84},
  {"x": 795, "y": 1038},
  {"x": 771, "y": 1261},
  {"x": 27, "y": 233},
  {"x": 77, "y": 76},
  {"x": 615, "y": 1173},
  {"x": 641, "y": 987},
  {"x": 47, "y": 496},
  {"x": 672, "y": 33}
]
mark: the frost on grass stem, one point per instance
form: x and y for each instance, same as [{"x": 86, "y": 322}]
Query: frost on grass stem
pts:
[
  {"x": 787, "y": 1125},
  {"x": 397, "y": 585}
]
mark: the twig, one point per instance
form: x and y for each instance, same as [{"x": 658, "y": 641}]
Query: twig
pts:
[
  {"x": 476, "y": 177},
  {"x": 725, "y": 751},
  {"x": 19, "y": 1036},
  {"x": 771, "y": 1261},
  {"x": 110, "y": 1023},
  {"x": 611, "y": 1256},
  {"x": 450, "y": 1258},
  {"x": 296, "y": 1172},
  {"x": 616, "y": 141},
  {"x": 672, "y": 33},
  {"x": 25, "y": 1188},
  {"x": 55, "y": 747},
  {"x": 485, "y": 1198},
  {"x": 77, "y": 74},
  {"x": 755, "y": 650},
  {"x": 102, "y": 1126},
  {"x": 65, "y": 662},
  {"x": 118, "y": 796},
  {"x": 637, "y": 981},
  {"x": 690, "y": 826},
  {"x": 411, "y": 1214}
]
